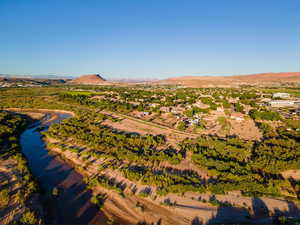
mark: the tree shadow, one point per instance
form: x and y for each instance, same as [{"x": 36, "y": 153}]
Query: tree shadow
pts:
[
  {"x": 259, "y": 208},
  {"x": 230, "y": 215},
  {"x": 290, "y": 216},
  {"x": 259, "y": 214},
  {"x": 196, "y": 221}
]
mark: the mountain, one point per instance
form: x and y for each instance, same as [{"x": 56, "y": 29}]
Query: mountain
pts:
[
  {"x": 91, "y": 79},
  {"x": 29, "y": 76},
  {"x": 262, "y": 79},
  {"x": 28, "y": 82}
]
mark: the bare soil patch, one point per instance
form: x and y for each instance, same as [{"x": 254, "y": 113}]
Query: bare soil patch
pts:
[{"x": 245, "y": 129}]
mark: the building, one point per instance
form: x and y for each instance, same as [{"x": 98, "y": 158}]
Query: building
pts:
[
  {"x": 142, "y": 114},
  {"x": 177, "y": 110},
  {"x": 281, "y": 103},
  {"x": 188, "y": 121},
  {"x": 153, "y": 105},
  {"x": 281, "y": 95},
  {"x": 165, "y": 109}
]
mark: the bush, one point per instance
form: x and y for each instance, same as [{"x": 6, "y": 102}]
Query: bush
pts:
[
  {"x": 29, "y": 218},
  {"x": 181, "y": 126},
  {"x": 55, "y": 192},
  {"x": 4, "y": 198},
  {"x": 264, "y": 115},
  {"x": 99, "y": 200}
]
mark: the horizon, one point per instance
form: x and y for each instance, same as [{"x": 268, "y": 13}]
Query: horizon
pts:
[
  {"x": 149, "y": 40},
  {"x": 57, "y": 76}
]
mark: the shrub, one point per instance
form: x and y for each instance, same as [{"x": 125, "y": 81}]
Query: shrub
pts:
[
  {"x": 55, "y": 192},
  {"x": 29, "y": 218},
  {"x": 4, "y": 198},
  {"x": 99, "y": 200}
]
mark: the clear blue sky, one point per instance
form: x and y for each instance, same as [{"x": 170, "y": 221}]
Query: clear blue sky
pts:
[{"x": 149, "y": 38}]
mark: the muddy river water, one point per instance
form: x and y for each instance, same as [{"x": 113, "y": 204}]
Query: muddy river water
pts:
[{"x": 72, "y": 206}]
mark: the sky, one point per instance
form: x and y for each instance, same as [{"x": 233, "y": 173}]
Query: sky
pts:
[{"x": 149, "y": 39}]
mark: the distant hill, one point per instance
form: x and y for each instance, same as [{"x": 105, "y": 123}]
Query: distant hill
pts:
[
  {"x": 17, "y": 81},
  {"x": 91, "y": 79},
  {"x": 261, "y": 79},
  {"x": 44, "y": 77}
]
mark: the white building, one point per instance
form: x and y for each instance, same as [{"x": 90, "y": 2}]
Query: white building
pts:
[
  {"x": 281, "y": 95},
  {"x": 281, "y": 103}
]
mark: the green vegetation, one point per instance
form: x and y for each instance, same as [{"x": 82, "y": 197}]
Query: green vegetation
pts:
[
  {"x": 99, "y": 200},
  {"x": 266, "y": 129},
  {"x": 103, "y": 182},
  {"x": 264, "y": 115},
  {"x": 181, "y": 126},
  {"x": 166, "y": 181},
  {"x": 87, "y": 130},
  {"x": 4, "y": 198},
  {"x": 251, "y": 167},
  {"x": 55, "y": 192},
  {"x": 294, "y": 124},
  {"x": 238, "y": 107},
  {"x": 11, "y": 125},
  {"x": 144, "y": 194},
  {"x": 29, "y": 218}
]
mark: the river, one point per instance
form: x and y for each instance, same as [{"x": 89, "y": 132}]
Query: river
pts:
[{"x": 72, "y": 206}]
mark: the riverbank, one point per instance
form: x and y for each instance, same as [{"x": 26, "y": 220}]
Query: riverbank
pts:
[
  {"x": 72, "y": 205},
  {"x": 39, "y": 114},
  {"x": 16, "y": 208},
  {"x": 19, "y": 196}
]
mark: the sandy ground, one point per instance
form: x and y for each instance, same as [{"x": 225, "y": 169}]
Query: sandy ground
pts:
[
  {"x": 246, "y": 129},
  {"x": 32, "y": 111},
  {"x": 12, "y": 181},
  {"x": 295, "y": 174}
]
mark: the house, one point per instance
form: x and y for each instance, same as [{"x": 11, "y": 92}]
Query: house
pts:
[
  {"x": 177, "y": 110},
  {"x": 281, "y": 95},
  {"x": 281, "y": 103},
  {"x": 142, "y": 114},
  {"x": 145, "y": 113},
  {"x": 153, "y": 105},
  {"x": 237, "y": 116},
  {"x": 189, "y": 121},
  {"x": 178, "y": 116},
  {"x": 194, "y": 121},
  {"x": 165, "y": 109}
]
